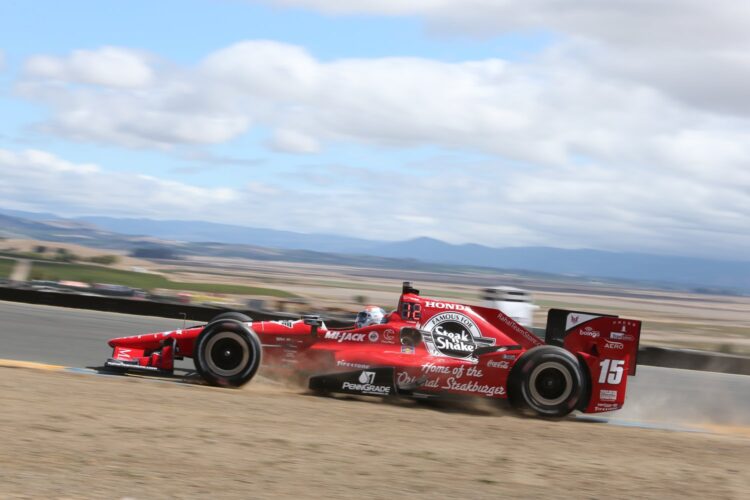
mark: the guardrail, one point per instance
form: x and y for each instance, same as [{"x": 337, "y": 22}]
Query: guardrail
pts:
[
  {"x": 690, "y": 359},
  {"x": 647, "y": 355},
  {"x": 140, "y": 307}
]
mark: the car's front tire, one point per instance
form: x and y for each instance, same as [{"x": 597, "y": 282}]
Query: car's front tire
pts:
[
  {"x": 238, "y": 316},
  {"x": 227, "y": 353}
]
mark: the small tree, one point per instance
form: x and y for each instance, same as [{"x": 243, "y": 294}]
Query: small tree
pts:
[
  {"x": 63, "y": 255},
  {"x": 106, "y": 260}
]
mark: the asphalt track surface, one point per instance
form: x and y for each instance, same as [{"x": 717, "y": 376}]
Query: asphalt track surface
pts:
[{"x": 681, "y": 399}]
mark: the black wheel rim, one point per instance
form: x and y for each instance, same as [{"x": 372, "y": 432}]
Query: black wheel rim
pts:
[
  {"x": 227, "y": 354},
  {"x": 550, "y": 383}
]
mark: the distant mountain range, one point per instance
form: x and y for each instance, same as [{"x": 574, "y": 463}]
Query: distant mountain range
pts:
[{"x": 195, "y": 237}]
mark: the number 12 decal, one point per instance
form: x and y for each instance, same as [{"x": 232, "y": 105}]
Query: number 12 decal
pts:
[{"x": 611, "y": 372}]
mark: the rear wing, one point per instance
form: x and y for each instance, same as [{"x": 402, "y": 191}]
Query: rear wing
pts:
[{"x": 594, "y": 334}]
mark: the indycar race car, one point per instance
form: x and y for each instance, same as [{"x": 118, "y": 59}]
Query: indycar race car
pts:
[{"x": 426, "y": 348}]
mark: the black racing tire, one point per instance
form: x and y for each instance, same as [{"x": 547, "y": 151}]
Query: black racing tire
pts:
[
  {"x": 548, "y": 380},
  {"x": 238, "y": 316},
  {"x": 244, "y": 318},
  {"x": 227, "y": 353}
]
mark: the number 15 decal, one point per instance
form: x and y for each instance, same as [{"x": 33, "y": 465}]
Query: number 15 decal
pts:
[{"x": 611, "y": 372}]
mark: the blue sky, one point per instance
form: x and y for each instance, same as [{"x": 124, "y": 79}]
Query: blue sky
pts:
[
  {"x": 509, "y": 124},
  {"x": 184, "y": 32}
]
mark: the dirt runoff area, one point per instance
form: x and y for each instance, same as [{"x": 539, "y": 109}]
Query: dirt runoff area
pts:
[{"x": 68, "y": 435}]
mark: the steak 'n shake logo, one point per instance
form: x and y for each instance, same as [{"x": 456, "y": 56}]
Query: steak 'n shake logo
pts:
[{"x": 453, "y": 334}]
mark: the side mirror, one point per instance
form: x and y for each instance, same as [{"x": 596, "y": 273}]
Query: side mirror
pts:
[
  {"x": 485, "y": 349},
  {"x": 314, "y": 321},
  {"x": 410, "y": 336}
]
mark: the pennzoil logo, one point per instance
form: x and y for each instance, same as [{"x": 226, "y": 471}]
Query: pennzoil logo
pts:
[{"x": 454, "y": 335}]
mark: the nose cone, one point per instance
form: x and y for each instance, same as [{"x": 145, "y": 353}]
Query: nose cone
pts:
[{"x": 145, "y": 341}]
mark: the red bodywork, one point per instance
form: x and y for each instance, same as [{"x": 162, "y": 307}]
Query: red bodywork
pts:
[{"x": 444, "y": 360}]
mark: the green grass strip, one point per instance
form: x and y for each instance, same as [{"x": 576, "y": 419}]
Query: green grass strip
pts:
[
  {"x": 146, "y": 281},
  {"x": 6, "y": 267}
]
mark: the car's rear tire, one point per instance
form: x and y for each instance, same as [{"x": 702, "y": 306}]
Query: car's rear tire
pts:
[
  {"x": 227, "y": 353},
  {"x": 244, "y": 318},
  {"x": 547, "y": 380}
]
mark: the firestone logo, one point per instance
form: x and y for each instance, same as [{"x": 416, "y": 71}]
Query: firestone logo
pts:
[{"x": 349, "y": 364}]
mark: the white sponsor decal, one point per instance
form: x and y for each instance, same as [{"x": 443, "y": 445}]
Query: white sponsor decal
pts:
[
  {"x": 389, "y": 336},
  {"x": 614, "y": 345},
  {"x": 349, "y": 364},
  {"x": 445, "y": 305},
  {"x": 123, "y": 353},
  {"x": 589, "y": 332},
  {"x": 373, "y": 336},
  {"x": 366, "y": 386},
  {"x": 286, "y": 323},
  {"x": 518, "y": 329},
  {"x": 345, "y": 336},
  {"x": 488, "y": 390},
  {"x": 608, "y": 395},
  {"x": 404, "y": 378},
  {"x": 498, "y": 364},
  {"x": 606, "y": 406},
  {"x": 433, "y": 368},
  {"x": 454, "y": 335},
  {"x": 575, "y": 319},
  {"x": 621, "y": 336}
]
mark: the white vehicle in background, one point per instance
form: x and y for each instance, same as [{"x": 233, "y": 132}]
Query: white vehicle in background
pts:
[{"x": 514, "y": 302}]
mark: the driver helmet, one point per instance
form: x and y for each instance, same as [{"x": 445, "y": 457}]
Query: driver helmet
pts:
[{"x": 372, "y": 315}]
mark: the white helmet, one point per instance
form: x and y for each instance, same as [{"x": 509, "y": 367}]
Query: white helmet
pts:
[{"x": 372, "y": 315}]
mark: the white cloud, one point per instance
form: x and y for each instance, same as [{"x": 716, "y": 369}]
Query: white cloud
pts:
[
  {"x": 108, "y": 66},
  {"x": 291, "y": 141},
  {"x": 676, "y": 23},
  {"x": 540, "y": 112},
  {"x": 693, "y": 50},
  {"x": 615, "y": 137},
  {"x": 38, "y": 180},
  {"x": 590, "y": 207}
]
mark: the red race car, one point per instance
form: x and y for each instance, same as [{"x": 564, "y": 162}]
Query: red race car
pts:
[{"x": 425, "y": 348}]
